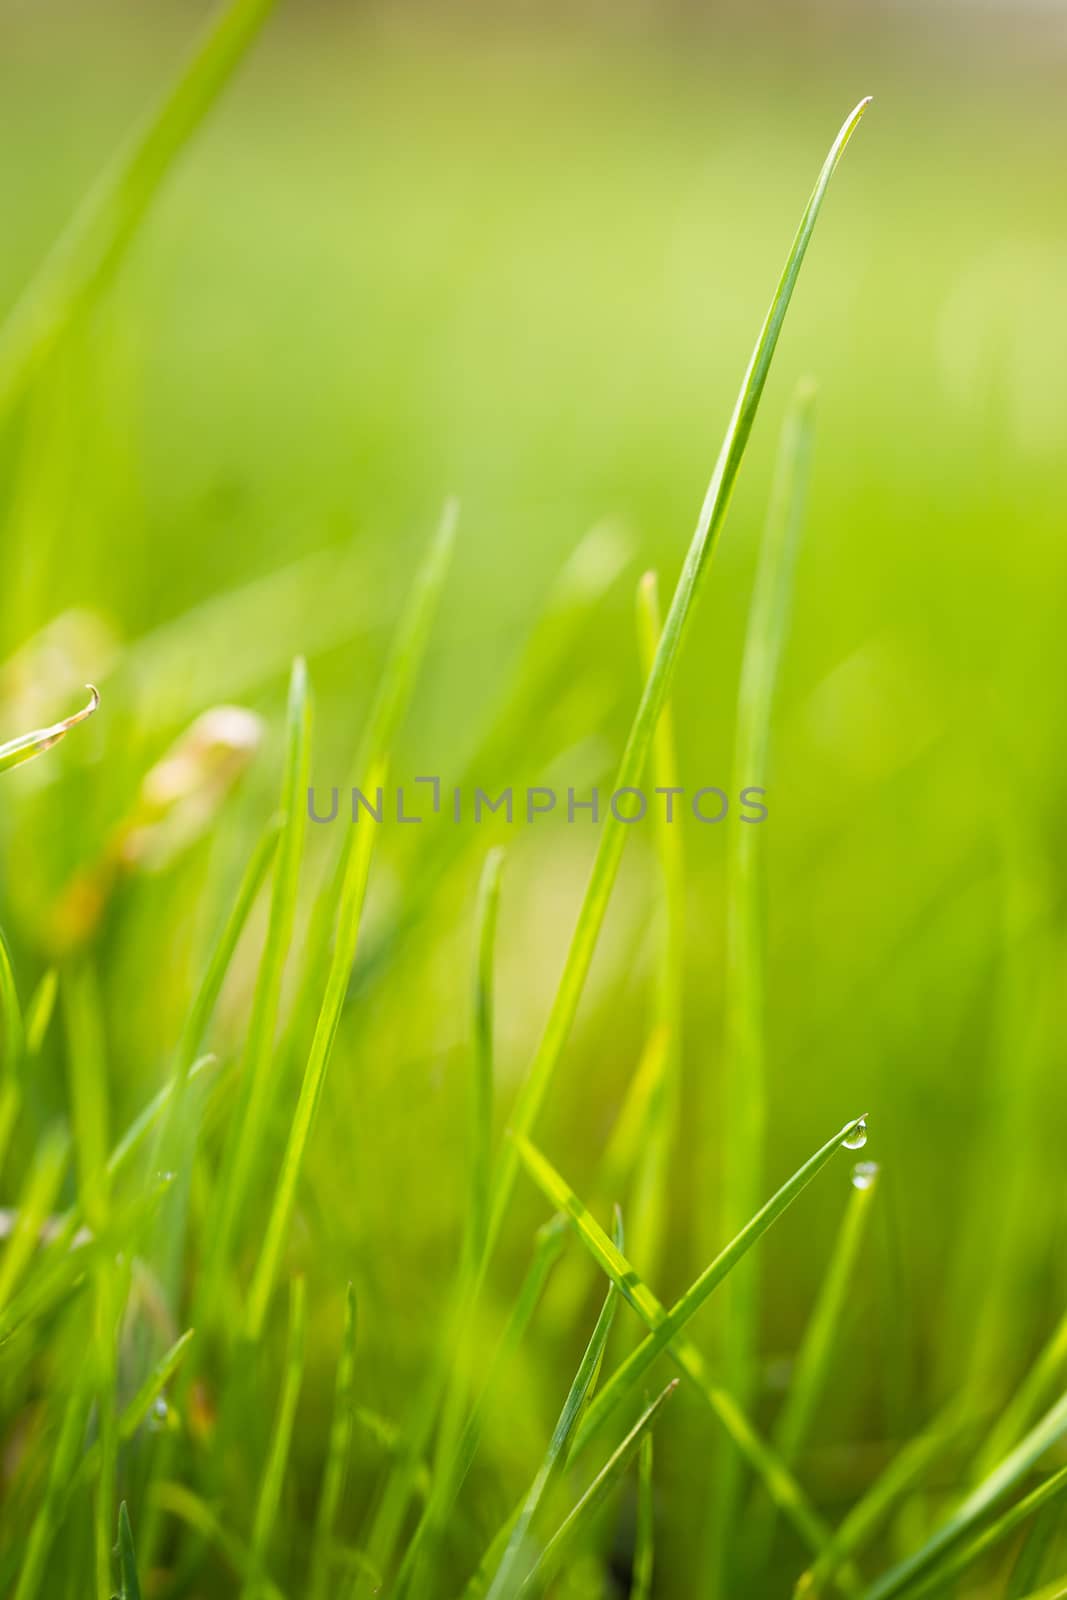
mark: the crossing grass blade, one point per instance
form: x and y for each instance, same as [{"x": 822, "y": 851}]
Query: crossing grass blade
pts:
[
  {"x": 645, "y": 1537},
  {"x": 333, "y": 1477},
  {"x": 743, "y": 1122},
  {"x": 259, "y": 1064},
  {"x": 625, "y": 1381},
  {"x": 981, "y": 1500},
  {"x": 572, "y": 1529},
  {"x": 129, "y": 1584},
  {"x": 958, "y": 1563},
  {"x": 270, "y": 1488},
  {"x": 665, "y": 1327},
  {"x": 72, "y": 275},
  {"x": 18, "y": 751},
  {"x": 509, "y": 1574}
]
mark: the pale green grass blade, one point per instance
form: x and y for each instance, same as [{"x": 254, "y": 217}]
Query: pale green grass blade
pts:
[
  {"x": 990, "y": 1537},
  {"x": 744, "y": 1112},
  {"x": 481, "y": 1097},
  {"x": 82, "y": 259},
  {"x": 18, "y": 751},
  {"x": 608, "y": 1478},
  {"x": 129, "y": 1584},
  {"x": 647, "y": 1204},
  {"x": 40, "y": 1010},
  {"x": 35, "y": 1205},
  {"x": 624, "y": 1383},
  {"x": 814, "y": 1364},
  {"x": 644, "y": 1562},
  {"x": 778, "y": 1480},
  {"x": 510, "y": 1572},
  {"x": 259, "y": 1064},
  {"x": 11, "y": 1012},
  {"x": 271, "y": 1483},
  {"x": 335, "y": 1470},
  {"x": 350, "y": 911},
  {"x": 613, "y": 833},
  {"x": 1000, "y": 1481},
  {"x": 48, "y": 1521}
]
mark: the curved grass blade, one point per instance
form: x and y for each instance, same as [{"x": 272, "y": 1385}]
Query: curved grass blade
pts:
[
  {"x": 18, "y": 751},
  {"x": 1031, "y": 1559},
  {"x": 1003, "y": 1478},
  {"x": 607, "y": 1479},
  {"x": 625, "y": 1380},
  {"x": 270, "y": 1487},
  {"x": 779, "y": 1481},
  {"x": 333, "y": 1477},
  {"x": 72, "y": 275},
  {"x": 1040, "y": 1381},
  {"x": 509, "y": 1574},
  {"x": 129, "y": 1584},
  {"x": 745, "y": 1050},
  {"x": 990, "y": 1537}
]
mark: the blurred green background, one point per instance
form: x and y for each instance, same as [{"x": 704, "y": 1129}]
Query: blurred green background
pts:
[{"x": 520, "y": 255}]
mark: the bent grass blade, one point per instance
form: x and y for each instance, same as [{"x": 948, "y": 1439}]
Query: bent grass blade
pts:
[{"x": 18, "y": 751}]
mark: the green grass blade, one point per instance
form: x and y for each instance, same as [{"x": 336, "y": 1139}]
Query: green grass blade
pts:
[
  {"x": 18, "y": 751},
  {"x": 982, "y": 1499},
  {"x": 350, "y": 911},
  {"x": 1030, "y": 1563},
  {"x": 613, "y": 833},
  {"x": 48, "y": 1521},
  {"x": 990, "y": 1537},
  {"x": 1056, "y": 1590},
  {"x": 644, "y": 1561},
  {"x": 509, "y": 1574},
  {"x": 259, "y": 1063},
  {"x": 744, "y": 1113},
  {"x": 88, "y": 1092},
  {"x": 779, "y": 1482},
  {"x": 481, "y": 1106},
  {"x": 35, "y": 1205},
  {"x": 572, "y": 1528},
  {"x": 1040, "y": 1382},
  {"x": 625, "y": 1382},
  {"x": 39, "y": 1011},
  {"x": 270, "y": 1488},
  {"x": 11, "y": 1012},
  {"x": 333, "y": 1477},
  {"x": 72, "y": 275},
  {"x": 129, "y": 1584},
  {"x": 135, "y": 1412}
]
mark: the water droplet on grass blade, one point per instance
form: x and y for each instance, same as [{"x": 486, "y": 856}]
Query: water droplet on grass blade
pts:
[
  {"x": 864, "y": 1174},
  {"x": 858, "y": 1136}
]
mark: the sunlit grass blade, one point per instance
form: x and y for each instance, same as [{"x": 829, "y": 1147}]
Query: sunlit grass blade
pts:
[
  {"x": 744, "y": 1114},
  {"x": 259, "y": 1064},
  {"x": 814, "y": 1364},
  {"x": 946, "y": 1572},
  {"x": 982, "y": 1499},
  {"x": 608, "y": 1478},
  {"x": 29, "y": 745},
  {"x": 333, "y": 1477},
  {"x": 66, "y": 283},
  {"x": 509, "y": 1574},
  {"x": 664, "y": 1325},
  {"x": 613, "y": 833},
  {"x": 270, "y": 1487},
  {"x": 625, "y": 1381},
  {"x": 647, "y": 1203},
  {"x": 129, "y": 1584},
  {"x": 644, "y": 1561}
]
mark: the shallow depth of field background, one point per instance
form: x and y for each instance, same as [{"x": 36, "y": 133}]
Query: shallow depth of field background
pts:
[{"x": 522, "y": 258}]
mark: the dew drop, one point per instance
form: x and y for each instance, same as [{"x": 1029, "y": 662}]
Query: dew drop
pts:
[
  {"x": 863, "y": 1174},
  {"x": 159, "y": 1416},
  {"x": 858, "y": 1137}
]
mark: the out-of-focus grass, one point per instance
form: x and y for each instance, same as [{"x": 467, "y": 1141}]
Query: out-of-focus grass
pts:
[{"x": 524, "y": 265}]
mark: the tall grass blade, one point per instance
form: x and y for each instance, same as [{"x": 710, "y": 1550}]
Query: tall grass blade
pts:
[
  {"x": 270, "y": 1488},
  {"x": 71, "y": 277},
  {"x": 645, "y": 1539},
  {"x": 129, "y": 1584},
  {"x": 481, "y": 1095},
  {"x": 573, "y": 1527},
  {"x": 333, "y": 1477},
  {"x": 48, "y": 1521},
  {"x": 745, "y": 1068}
]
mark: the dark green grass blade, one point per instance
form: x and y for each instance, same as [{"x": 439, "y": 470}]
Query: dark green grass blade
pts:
[
  {"x": 608, "y": 1478},
  {"x": 743, "y": 1128},
  {"x": 958, "y": 1563},
  {"x": 94, "y": 242},
  {"x": 993, "y": 1488},
  {"x": 1026, "y": 1573},
  {"x": 29, "y": 745},
  {"x": 333, "y": 1477},
  {"x": 509, "y": 1574},
  {"x": 779, "y": 1482},
  {"x": 129, "y": 1584},
  {"x": 613, "y": 833},
  {"x": 625, "y": 1382}
]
